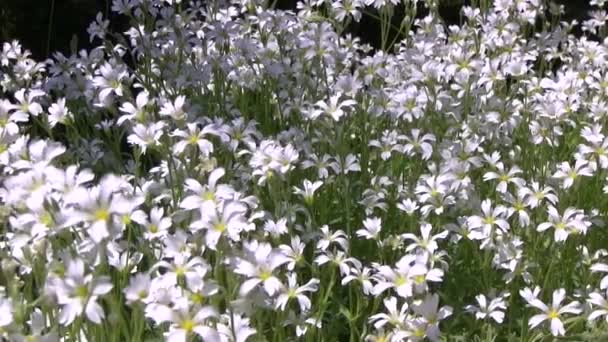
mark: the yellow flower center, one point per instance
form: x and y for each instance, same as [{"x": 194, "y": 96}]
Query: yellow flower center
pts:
[
  {"x": 208, "y": 196},
  {"x": 419, "y": 279},
  {"x": 82, "y": 291},
  {"x": 400, "y": 281},
  {"x": 140, "y": 116},
  {"x": 101, "y": 215},
  {"x": 265, "y": 275},
  {"x": 153, "y": 229},
  {"x": 126, "y": 220},
  {"x": 198, "y": 298},
  {"x": 298, "y": 258},
  {"x": 553, "y": 314},
  {"x": 180, "y": 271},
  {"x": 220, "y": 227},
  {"x": 188, "y": 325},
  {"x": 46, "y": 219}
]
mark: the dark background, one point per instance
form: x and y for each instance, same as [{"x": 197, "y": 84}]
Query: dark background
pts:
[{"x": 45, "y": 26}]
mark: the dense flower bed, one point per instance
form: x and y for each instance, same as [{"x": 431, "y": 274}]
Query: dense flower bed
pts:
[{"x": 229, "y": 172}]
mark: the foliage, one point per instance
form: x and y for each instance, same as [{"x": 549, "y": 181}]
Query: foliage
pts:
[{"x": 229, "y": 171}]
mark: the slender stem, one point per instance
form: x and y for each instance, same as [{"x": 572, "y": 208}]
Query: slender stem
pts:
[{"x": 50, "y": 27}]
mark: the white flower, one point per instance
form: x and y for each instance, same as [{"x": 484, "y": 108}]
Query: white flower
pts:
[
  {"x": 530, "y": 294},
  {"x": 601, "y": 267},
  {"x": 494, "y": 309},
  {"x": 270, "y": 158},
  {"x": 329, "y": 238},
  {"x": 334, "y": 108},
  {"x": 146, "y": 136},
  {"x": 400, "y": 278},
  {"x": 26, "y": 102},
  {"x": 138, "y": 289},
  {"x": 505, "y": 177},
  {"x": 419, "y": 143},
  {"x": 99, "y": 208},
  {"x": 207, "y": 197},
  {"x": 192, "y": 270},
  {"x": 302, "y": 321},
  {"x": 346, "y": 165},
  {"x": 135, "y": 112},
  {"x": 6, "y": 312},
  {"x": 395, "y": 317},
  {"x": 77, "y": 292},
  {"x": 308, "y": 191},
  {"x": 225, "y": 220},
  {"x": 110, "y": 80},
  {"x": 194, "y": 136},
  {"x": 431, "y": 314},
  {"x": 234, "y": 327},
  {"x": 409, "y": 206},
  {"x": 260, "y": 269},
  {"x": 158, "y": 224},
  {"x": 361, "y": 275},
  {"x": 98, "y": 28},
  {"x": 427, "y": 242},
  {"x": 123, "y": 6},
  {"x": 59, "y": 113},
  {"x": 8, "y": 120},
  {"x": 276, "y": 229},
  {"x": 571, "y": 222},
  {"x": 534, "y": 196},
  {"x": 38, "y": 329},
  {"x": 568, "y": 174},
  {"x": 345, "y": 8},
  {"x": 372, "y": 225},
  {"x": 293, "y": 290},
  {"x": 175, "y": 109},
  {"x": 600, "y": 306},
  {"x": 490, "y": 217},
  {"x": 185, "y": 322},
  {"x": 554, "y": 313},
  {"x": 321, "y": 164},
  {"x": 294, "y": 252}
]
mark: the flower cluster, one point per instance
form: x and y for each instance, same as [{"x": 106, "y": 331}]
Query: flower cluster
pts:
[{"x": 226, "y": 171}]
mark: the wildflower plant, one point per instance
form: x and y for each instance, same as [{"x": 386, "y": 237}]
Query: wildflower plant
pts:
[{"x": 228, "y": 171}]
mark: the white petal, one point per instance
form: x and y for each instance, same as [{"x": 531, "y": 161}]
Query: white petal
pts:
[
  {"x": 248, "y": 285},
  {"x": 536, "y": 320},
  {"x": 557, "y": 327},
  {"x": 94, "y": 312}
]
